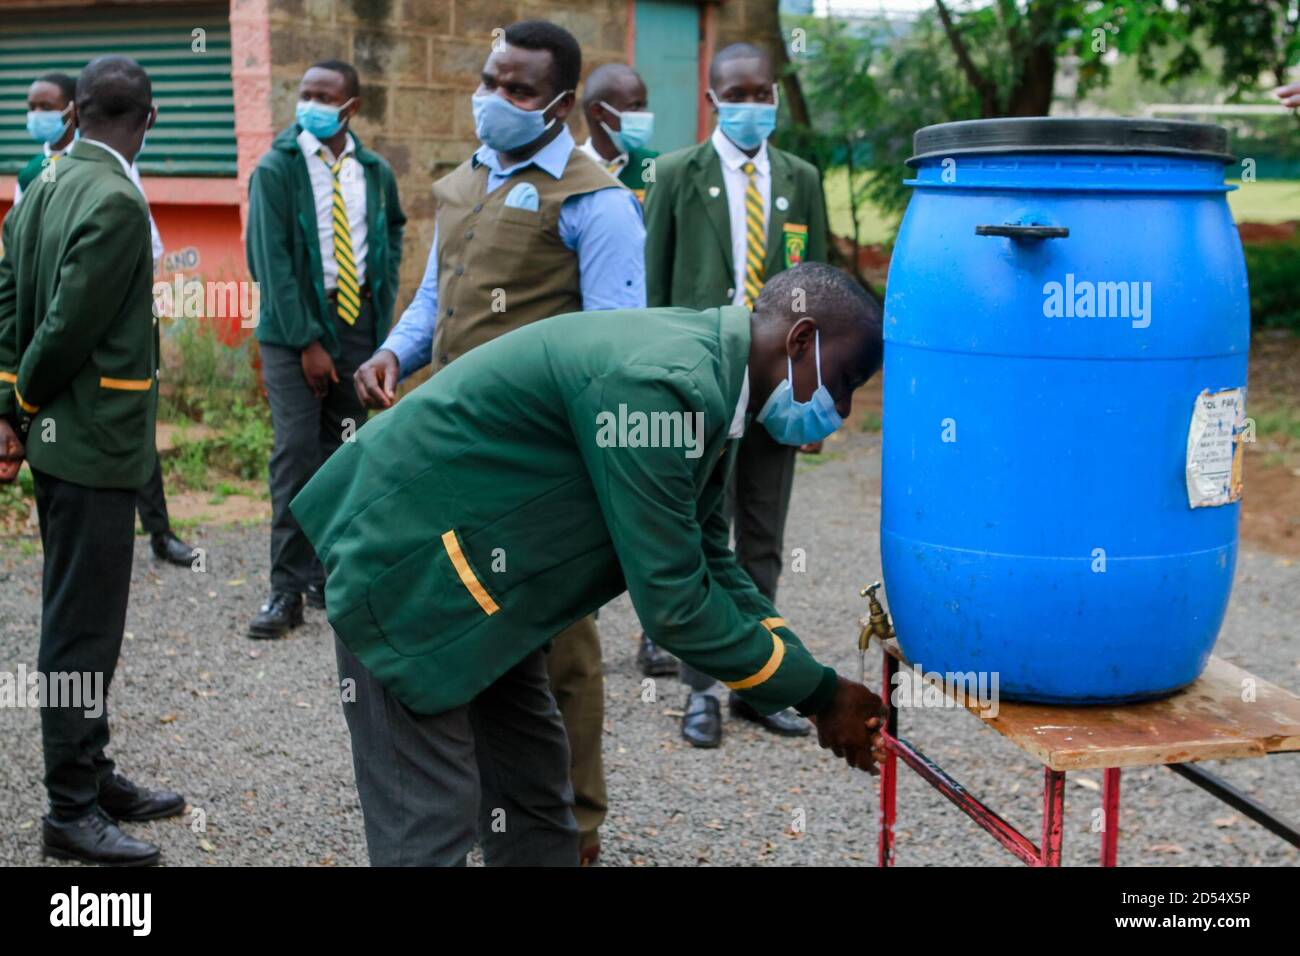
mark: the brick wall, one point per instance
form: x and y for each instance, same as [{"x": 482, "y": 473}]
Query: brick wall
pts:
[
  {"x": 419, "y": 62},
  {"x": 752, "y": 21}
]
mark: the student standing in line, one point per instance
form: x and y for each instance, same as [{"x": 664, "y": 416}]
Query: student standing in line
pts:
[
  {"x": 50, "y": 121},
  {"x": 324, "y": 241},
  {"x": 723, "y": 218},
  {"x": 79, "y": 359}
]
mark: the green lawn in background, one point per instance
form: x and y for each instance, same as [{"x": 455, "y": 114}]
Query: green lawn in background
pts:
[
  {"x": 872, "y": 226},
  {"x": 1265, "y": 200},
  {"x": 1261, "y": 201}
]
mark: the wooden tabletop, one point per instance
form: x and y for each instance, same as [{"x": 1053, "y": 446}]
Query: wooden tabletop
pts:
[{"x": 1209, "y": 720}]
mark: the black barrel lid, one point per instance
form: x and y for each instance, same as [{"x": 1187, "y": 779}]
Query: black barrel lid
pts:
[{"x": 1067, "y": 134}]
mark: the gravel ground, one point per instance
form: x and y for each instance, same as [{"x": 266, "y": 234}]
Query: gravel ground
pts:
[{"x": 254, "y": 737}]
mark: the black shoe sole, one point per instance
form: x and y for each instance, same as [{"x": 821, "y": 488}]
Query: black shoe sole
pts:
[
  {"x": 659, "y": 670},
  {"x": 58, "y": 854},
  {"x": 702, "y": 744},
  {"x": 274, "y": 633},
  {"x": 144, "y": 818},
  {"x": 785, "y": 733},
  {"x": 316, "y": 604},
  {"x": 741, "y": 714}
]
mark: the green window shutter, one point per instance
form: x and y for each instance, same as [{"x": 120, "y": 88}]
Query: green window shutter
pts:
[{"x": 195, "y": 133}]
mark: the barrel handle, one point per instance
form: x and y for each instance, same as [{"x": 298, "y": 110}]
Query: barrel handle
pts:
[{"x": 1016, "y": 231}]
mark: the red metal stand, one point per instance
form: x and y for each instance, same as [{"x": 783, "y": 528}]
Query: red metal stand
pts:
[
  {"x": 1049, "y": 854},
  {"x": 1110, "y": 817},
  {"x": 1048, "y": 851}
]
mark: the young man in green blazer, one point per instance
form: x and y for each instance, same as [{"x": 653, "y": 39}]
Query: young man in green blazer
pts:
[
  {"x": 530, "y": 482},
  {"x": 619, "y": 124},
  {"x": 324, "y": 243},
  {"x": 79, "y": 369},
  {"x": 722, "y": 218},
  {"x": 50, "y": 122}
]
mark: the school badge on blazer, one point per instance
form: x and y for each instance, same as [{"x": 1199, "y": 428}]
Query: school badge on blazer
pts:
[{"x": 796, "y": 243}]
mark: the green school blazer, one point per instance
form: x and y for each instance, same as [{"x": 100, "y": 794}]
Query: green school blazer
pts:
[
  {"x": 283, "y": 247},
  {"x": 78, "y": 337},
  {"x": 515, "y": 492},
  {"x": 688, "y": 259}
]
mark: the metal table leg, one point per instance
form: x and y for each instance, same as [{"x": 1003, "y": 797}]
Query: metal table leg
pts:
[
  {"x": 1053, "y": 817},
  {"x": 889, "y": 769},
  {"x": 1110, "y": 817}
]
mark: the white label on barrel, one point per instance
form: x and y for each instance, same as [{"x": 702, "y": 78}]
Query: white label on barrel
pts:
[{"x": 1214, "y": 448}]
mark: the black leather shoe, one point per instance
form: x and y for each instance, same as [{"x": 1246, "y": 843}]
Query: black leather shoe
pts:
[
  {"x": 786, "y": 722},
  {"x": 315, "y": 596},
  {"x": 123, "y": 800},
  {"x": 281, "y": 612},
  {"x": 167, "y": 547},
  {"x": 702, "y": 722},
  {"x": 654, "y": 661},
  {"x": 94, "y": 838}
]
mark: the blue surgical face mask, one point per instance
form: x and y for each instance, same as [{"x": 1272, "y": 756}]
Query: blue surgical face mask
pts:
[
  {"x": 637, "y": 126},
  {"x": 319, "y": 119},
  {"x": 46, "y": 126},
  {"x": 502, "y": 126},
  {"x": 798, "y": 423},
  {"x": 746, "y": 124}
]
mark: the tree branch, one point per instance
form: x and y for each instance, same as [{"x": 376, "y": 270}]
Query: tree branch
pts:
[{"x": 987, "y": 90}]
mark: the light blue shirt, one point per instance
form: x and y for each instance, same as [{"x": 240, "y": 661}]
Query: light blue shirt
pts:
[{"x": 604, "y": 228}]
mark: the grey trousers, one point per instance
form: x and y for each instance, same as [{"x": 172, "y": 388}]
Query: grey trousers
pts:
[
  {"x": 495, "y": 770},
  {"x": 307, "y": 431},
  {"x": 757, "y": 502}
]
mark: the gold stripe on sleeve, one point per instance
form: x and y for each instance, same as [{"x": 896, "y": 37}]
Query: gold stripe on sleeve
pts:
[{"x": 768, "y": 669}]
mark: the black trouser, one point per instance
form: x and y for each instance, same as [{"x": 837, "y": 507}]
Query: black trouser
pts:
[
  {"x": 151, "y": 502},
  {"x": 757, "y": 502},
  {"x": 307, "y": 431},
  {"x": 87, "y": 535}
]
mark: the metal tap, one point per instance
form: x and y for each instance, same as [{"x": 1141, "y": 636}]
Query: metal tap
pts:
[{"x": 878, "y": 625}]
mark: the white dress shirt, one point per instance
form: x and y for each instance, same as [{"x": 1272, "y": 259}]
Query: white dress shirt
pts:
[
  {"x": 613, "y": 166},
  {"x": 738, "y": 419},
  {"x": 133, "y": 174},
  {"x": 736, "y": 182},
  {"x": 48, "y": 151},
  {"x": 154, "y": 237},
  {"x": 352, "y": 176}
]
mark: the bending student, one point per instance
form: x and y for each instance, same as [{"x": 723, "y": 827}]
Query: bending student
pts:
[{"x": 530, "y": 482}]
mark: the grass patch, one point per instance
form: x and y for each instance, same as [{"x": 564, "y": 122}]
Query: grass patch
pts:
[
  {"x": 17, "y": 500},
  {"x": 239, "y": 448},
  {"x": 1276, "y": 200},
  {"x": 873, "y": 225},
  {"x": 1281, "y": 422},
  {"x": 213, "y": 383},
  {"x": 1260, "y": 201}
]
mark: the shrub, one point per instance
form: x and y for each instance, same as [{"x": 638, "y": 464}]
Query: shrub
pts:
[{"x": 1273, "y": 269}]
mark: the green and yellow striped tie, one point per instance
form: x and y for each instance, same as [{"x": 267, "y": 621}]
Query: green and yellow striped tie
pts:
[
  {"x": 755, "y": 237},
  {"x": 349, "y": 291}
]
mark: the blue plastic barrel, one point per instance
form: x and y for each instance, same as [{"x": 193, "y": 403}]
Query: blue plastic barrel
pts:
[{"x": 1061, "y": 467}]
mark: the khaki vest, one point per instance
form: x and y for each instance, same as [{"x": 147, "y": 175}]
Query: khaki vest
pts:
[{"x": 501, "y": 268}]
